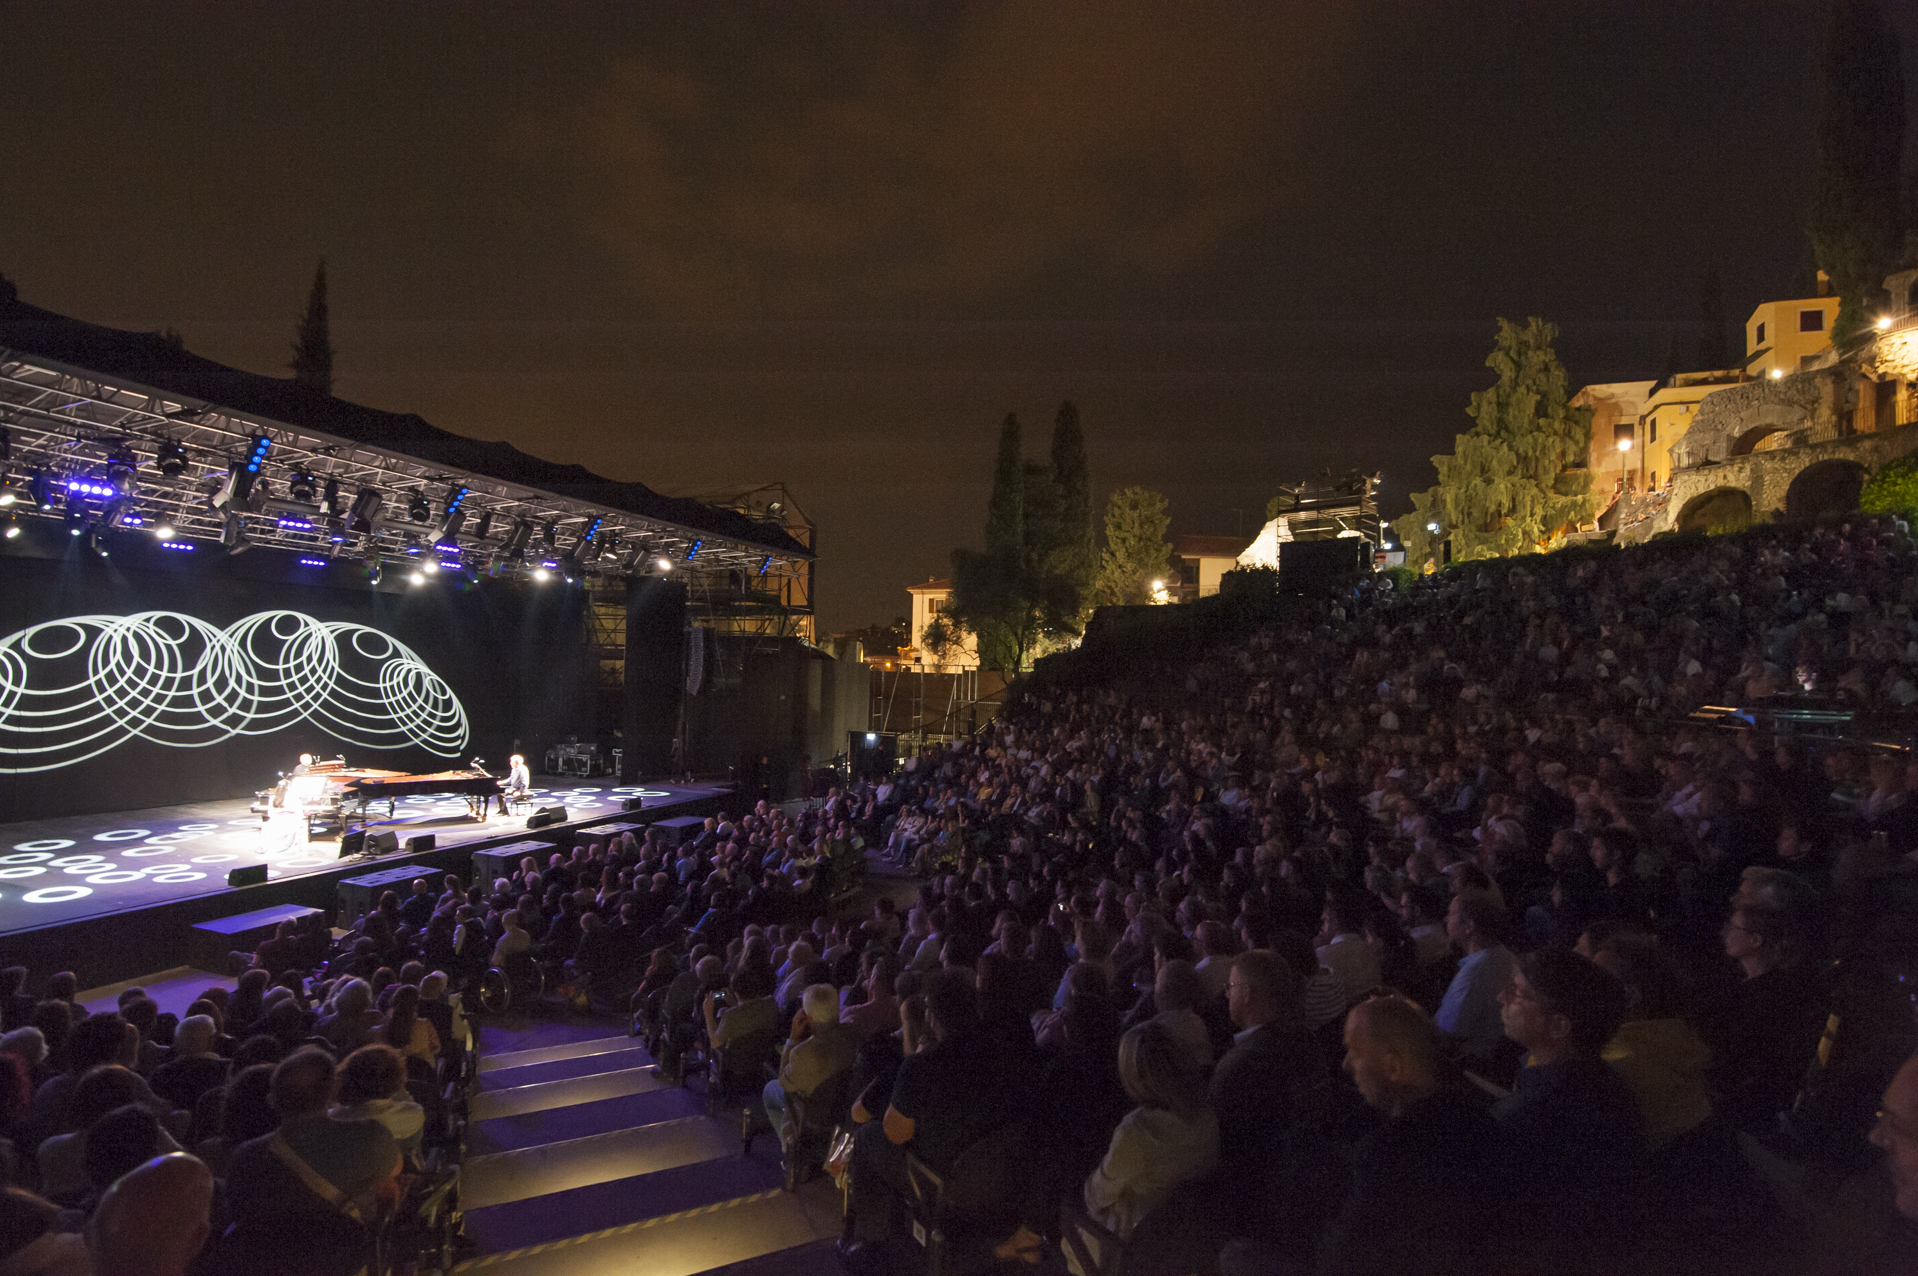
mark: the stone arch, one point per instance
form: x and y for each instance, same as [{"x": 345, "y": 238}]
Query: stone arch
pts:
[
  {"x": 1827, "y": 487},
  {"x": 1716, "y": 508},
  {"x": 1757, "y": 439}
]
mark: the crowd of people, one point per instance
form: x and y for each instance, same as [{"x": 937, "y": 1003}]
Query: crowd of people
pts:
[{"x": 1426, "y": 929}]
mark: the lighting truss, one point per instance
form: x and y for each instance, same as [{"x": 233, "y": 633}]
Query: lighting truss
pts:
[{"x": 64, "y": 423}]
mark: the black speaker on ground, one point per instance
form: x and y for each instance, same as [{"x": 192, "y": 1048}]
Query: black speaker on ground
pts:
[
  {"x": 633, "y": 804},
  {"x": 655, "y": 675},
  {"x": 424, "y": 842},
  {"x": 352, "y": 844},
  {"x": 251, "y": 875},
  {"x": 383, "y": 843},
  {"x": 1316, "y": 565},
  {"x": 546, "y": 815}
]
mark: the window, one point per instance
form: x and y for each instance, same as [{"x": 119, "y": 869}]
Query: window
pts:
[
  {"x": 935, "y": 605},
  {"x": 1188, "y": 572},
  {"x": 1654, "y": 427},
  {"x": 1761, "y": 334},
  {"x": 1811, "y": 321}
]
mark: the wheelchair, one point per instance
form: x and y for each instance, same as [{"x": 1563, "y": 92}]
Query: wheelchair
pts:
[{"x": 522, "y": 979}]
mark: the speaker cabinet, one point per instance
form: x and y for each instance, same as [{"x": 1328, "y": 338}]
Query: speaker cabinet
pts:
[
  {"x": 251, "y": 875},
  {"x": 383, "y": 844},
  {"x": 424, "y": 842},
  {"x": 352, "y": 844},
  {"x": 633, "y": 804},
  {"x": 545, "y": 816}
]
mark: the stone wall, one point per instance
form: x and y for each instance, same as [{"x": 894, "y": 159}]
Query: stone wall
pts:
[{"x": 1728, "y": 422}]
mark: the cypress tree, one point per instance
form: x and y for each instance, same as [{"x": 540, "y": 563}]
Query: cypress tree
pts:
[
  {"x": 1855, "y": 222},
  {"x": 1077, "y": 557},
  {"x": 1005, "y": 508},
  {"x": 313, "y": 342}
]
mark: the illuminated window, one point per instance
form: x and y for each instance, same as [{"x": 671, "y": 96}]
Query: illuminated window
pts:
[{"x": 1811, "y": 321}]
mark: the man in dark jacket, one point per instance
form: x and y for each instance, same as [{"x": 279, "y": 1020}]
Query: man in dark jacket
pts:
[{"x": 1274, "y": 1079}]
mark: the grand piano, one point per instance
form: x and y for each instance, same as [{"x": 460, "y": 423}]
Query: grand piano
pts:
[{"x": 324, "y": 791}]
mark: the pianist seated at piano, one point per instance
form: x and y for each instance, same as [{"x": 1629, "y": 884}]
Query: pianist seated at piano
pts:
[{"x": 518, "y": 779}]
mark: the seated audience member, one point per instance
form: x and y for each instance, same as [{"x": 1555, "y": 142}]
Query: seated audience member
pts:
[
  {"x": 16, "y": 1101},
  {"x": 1428, "y": 1186},
  {"x": 154, "y": 1220},
  {"x": 752, "y": 1012},
  {"x": 103, "y": 1089},
  {"x": 65, "y": 987},
  {"x": 514, "y": 940},
  {"x": 313, "y": 1170},
  {"x": 1655, "y": 1050},
  {"x": 1576, "y": 1143},
  {"x": 1273, "y": 1080},
  {"x": 1763, "y": 1035},
  {"x": 1344, "y": 951},
  {"x": 118, "y": 1143},
  {"x": 243, "y": 1110},
  {"x": 281, "y": 953},
  {"x": 879, "y": 1012},
  {"x": 1895, "y": 1132},
  {"x": 1180, "y": 1000},
  {"x": 28, "y": 1046},
  {"x": 1171, "y": 1137},
  {"x": 31, "y": 1242},
  {"x": 372, "y": 1087},
  {"x": 818, "y": 1049},
  {"x": 101, "y": 1040},
  {"x": 16, "y": 1006},
  {"x": 407, "y": 1031},
  {"x": 352, "y": 1021},
  {"x": 1470, "y": 1011},
  {"x": 194, "y": 1068}
]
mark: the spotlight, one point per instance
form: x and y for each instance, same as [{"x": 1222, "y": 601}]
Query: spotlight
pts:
[
  {"x": 665, "y": 564},
  {"x": 81, "y": 489},
  {"x": 183, "y": 546},
  {"x": 302, "y": 486},
  {"x": 163, "y": 530},
  {"x": 484, "y": 526},
  {"x": 330, "y": 497},
  {"x": 256, "y": 457},
  {"x": 13, "y": 526},
  {"x": 312, "y": 562},
  {"x": 419, "y": 509},
  {"x": 694, "y": 550},
  {"x": 517, "y": 539},
  {"x": 416, "y": 579},
  {"x": 336, "y": 529},
  {"x": 367, "y": 508},
  {"x": 540, "y": 573},
  {"x": 233, "y": 534},
  {"x": 766, "y": 566},
  {"x": 374, "y": 570},
  {"x": 429, "y": 566},
  {"x": 171, "y": 459},
  {"x": 551, "y": 534},
  {"x": 95, "y": 540},
  {"x": 295, "y": 523}
]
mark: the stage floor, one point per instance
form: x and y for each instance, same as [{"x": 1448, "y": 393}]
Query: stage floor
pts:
[{"x": 61, "y": 870}]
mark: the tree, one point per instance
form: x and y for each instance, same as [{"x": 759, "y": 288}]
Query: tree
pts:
[
  {"x": 1028, "y": 586},
  {"x": 313, "y": 341},
  {"x": 1518, "y": 477},
  {"x": 1855, "y": 223},
  {"x": 1136, "y": 552},
  {"x": 1077, "y": 555}
]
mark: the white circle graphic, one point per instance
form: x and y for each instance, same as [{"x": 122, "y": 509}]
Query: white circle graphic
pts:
[
  {"x": 27, "y": 857},
  {"x": 8, "y": 873},
  {"x": 69, "y": 861},
  {"x": 178, "y": 877},
  {"x": 134, "y": 854},
  {"x": 56, "y": 894},
  {"x": 213, "y": 859},
  {"x": 111, "y": 876},
  {"x": 196, "y": 828},
  {"x": 45, "y": 844},
  {"x": 122, "y": 835}
]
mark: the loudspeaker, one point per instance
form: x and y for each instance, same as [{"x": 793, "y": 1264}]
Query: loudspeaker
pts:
[
  {"x": 655, "y": 675},
  {"x": 383, "y": 844},
  {"x": 414, "y": 845},
  {"x": 352, "y": 844},
  {"x": 633, "y": 804},
  {"x": 546, "y": 815},
  {"x": 251, "y": 875}
]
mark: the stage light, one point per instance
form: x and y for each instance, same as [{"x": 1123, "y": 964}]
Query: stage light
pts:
[
  {"x": 416, "y": 578},
  {"x": 163, "y": 530},
  {"x": 456, "y": 497},
  {"x": 665, "y": 564},
  {"x": 86, "y": 488},
  {"x": 294, "y": 523},
  {"x": 517, "y": 538},
  {"x": 429, "y": 566},
  {"x": 301, "y": 485},
  {"x": 484, "y": 525},
  {"x": 694, "y": 550},
  {"x": 447, "y": 547},
  {"x": 312, "y": 562},
  {"x": 336, "y": 530},
  {"x": 374, "y": 570},
  {"x": 171, "y": 459},
  {"x": 540, "y": 573},
  {"x": 551, "y": 534},
  {"x": 13, "y": 526},
  {"x": 549, "y": 564},
  {"x": 419, "y": 509},
  {"x": 766, "y": 566},
  {"x": 367, "y": 508},
  {"x": 179, "y": 545},
  {"x": 95, "y": 540},
  {"x": 233, "y": 534},
  {"x": 330, "y": 496},
  {"x": 412, "y": 545}
]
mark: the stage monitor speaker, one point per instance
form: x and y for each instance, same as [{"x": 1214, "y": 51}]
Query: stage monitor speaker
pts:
[
  {"x": 352, "y": 844},
  {"x": 424, "y": 842},
  {"x": 383, "y": 844},
  {"x": 251, "y": 875},
  {"x": 633, "y": 804},
  {"x": 546, "y": 815}
]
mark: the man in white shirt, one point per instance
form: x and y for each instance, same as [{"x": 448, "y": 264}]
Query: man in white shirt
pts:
[
  {"x": 1345, "y": 952},
  {"x": 1470, "y": 1011}
]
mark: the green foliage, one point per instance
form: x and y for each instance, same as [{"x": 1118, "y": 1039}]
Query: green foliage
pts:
[
  {"x": 1893, "y": 489},
  {"x": 1511, "y": 486},
  {"x": 1136, "y": 551},
  {"x": 1403, "y": 578},
  {"x": 313, "y": 343},
  {"x": 1855, "y": 223},
  {"x": 1249, "y": 582},
  {"x": 882, "y": 641},
  {"x": 1028, "y": 586}
]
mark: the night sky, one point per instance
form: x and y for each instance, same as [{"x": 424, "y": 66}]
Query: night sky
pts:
[{"x": 706, "y": 246}]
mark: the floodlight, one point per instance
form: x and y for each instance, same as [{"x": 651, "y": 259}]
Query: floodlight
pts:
[
  {"x": 419, "y": 509},
  {"x": 1884, "y": 322},
  {"x": 233, "y": 534},
  {"x": 171, "y": 458},
  {"x": 330, "y": 496},
  {"x": 301, "y": 485},
  {"x": 1624, "y": 445},
  {"x": 367, "y": 508}
]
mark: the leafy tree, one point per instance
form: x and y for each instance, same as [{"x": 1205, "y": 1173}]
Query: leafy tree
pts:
[
  {"x": 883, "y": 641},
  {"x": 1078, "y": 553},
  {"x": 1892, "y": 489},
  {"x": 1855, "y": 222},
  {"x": 1028, "y": 586},
  {"x": 1517, "y": 479},
  {"x": 313, "y": 342},
  {"x": 1136, "y": 552}
]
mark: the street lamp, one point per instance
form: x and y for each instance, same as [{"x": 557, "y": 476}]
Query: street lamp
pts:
[{"x": 1624, "y": 445}]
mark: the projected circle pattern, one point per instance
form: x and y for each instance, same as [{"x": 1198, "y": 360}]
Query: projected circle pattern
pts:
[{"x": 73, "y": 689}]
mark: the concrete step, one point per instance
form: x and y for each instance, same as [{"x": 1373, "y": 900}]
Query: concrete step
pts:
[
  {"x": 518, "y": 1100},
  {"x": 554, "y": 1125},
  {"x": 562, "y": 1050},
  {"x": 584, "y": 1065},
  {"x": 500, "y": 1177},
  {"x": 581, "y": 1211}
]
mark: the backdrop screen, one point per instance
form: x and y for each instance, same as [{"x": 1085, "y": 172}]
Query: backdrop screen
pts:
[{"x": 125, "y": 686}]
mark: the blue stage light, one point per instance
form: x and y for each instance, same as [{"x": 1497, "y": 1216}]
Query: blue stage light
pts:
[
  {"x": 257, "y": 457},
  {"x": 180, "y": 545},
  {"x": 766, "y": 565},
  {"x": 88, "y": 487},
  {"x": 294, "y": 523},
  {"x": 693, "y": 550},
  {"x": 312, "y": 562}
]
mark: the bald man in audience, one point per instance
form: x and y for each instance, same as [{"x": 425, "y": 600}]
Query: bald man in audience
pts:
[{"x": 154, "y": 1219}]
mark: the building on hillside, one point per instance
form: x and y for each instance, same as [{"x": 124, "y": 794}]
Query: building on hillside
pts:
[
  {"x": 1667, "y": 414},
  {"x": 1616, "y": 407},
  {"x": 1782, "y": 337},
  {"x": 1199, "y": 561},
  {"x": 1323, "y": 509},
  {"x": 928, "y": 602}
]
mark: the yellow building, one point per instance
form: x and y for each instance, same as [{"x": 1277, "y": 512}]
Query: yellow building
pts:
[
  {"x": 928, "y": 601},
  {"x": 1667, "y": 414},
  {"x": 1783, "y": 336},
  {"x": 1616, "y": 407}
]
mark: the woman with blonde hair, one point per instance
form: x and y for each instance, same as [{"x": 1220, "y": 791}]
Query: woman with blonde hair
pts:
[{"x": 1170, "y": 1138}]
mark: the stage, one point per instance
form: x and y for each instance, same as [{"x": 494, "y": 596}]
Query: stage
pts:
[{"x": 63, "y": 870}]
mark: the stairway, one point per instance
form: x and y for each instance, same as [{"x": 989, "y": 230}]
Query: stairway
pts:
[{"x": 581, "y": 1162}]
